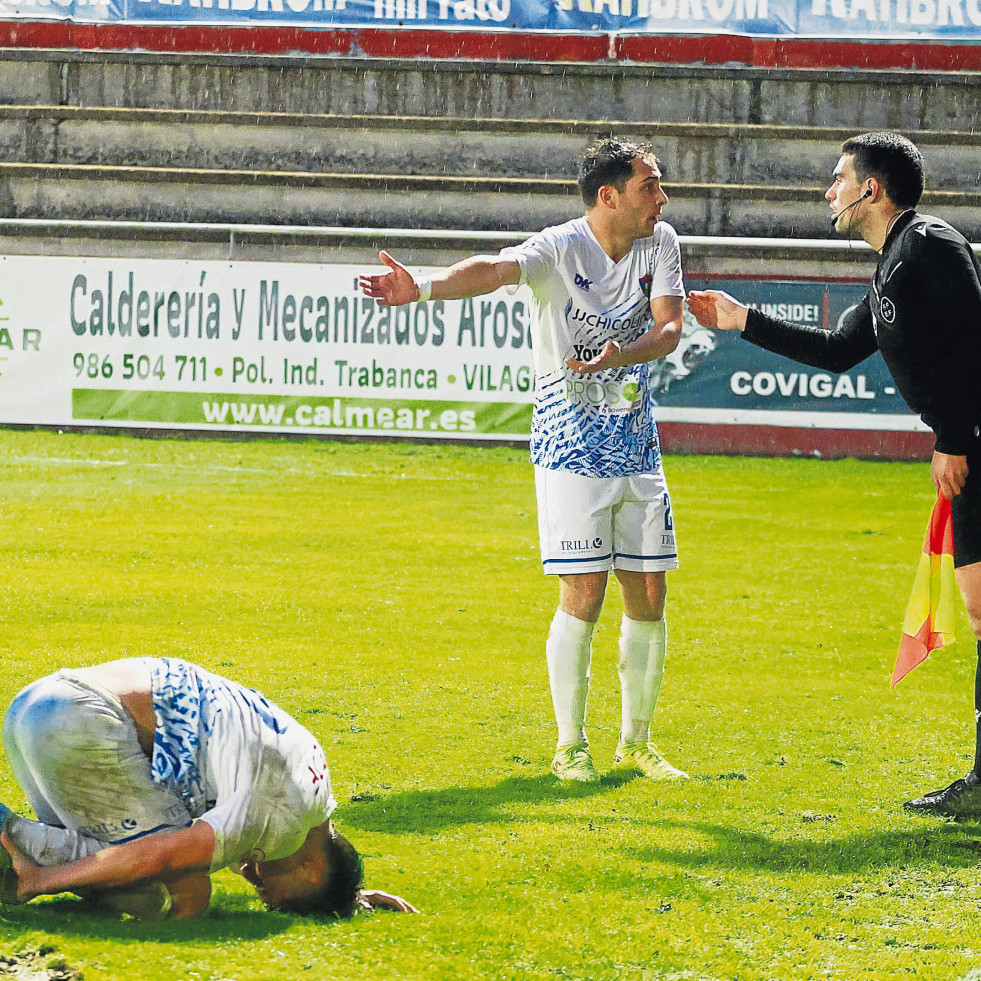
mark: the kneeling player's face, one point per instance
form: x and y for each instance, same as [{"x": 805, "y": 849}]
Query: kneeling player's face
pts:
[{"x": 277, "y": 886}]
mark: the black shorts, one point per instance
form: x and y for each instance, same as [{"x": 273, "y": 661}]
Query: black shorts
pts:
[{"x": 966, "y": 510}]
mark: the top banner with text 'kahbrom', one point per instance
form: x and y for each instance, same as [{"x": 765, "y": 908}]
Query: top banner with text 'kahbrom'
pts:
[{"x": 897, "y": 19}]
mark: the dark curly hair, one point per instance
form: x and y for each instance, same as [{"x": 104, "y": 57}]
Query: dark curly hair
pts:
[
  {"x": 609, "y": 162},
  {"x": 891, "y": 159}
]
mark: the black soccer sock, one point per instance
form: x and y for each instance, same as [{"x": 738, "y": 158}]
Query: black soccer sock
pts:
[{"x": 977, "y": 715}]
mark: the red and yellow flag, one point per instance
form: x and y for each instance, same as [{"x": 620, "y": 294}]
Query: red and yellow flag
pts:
[{"x": 929, "y": 622}]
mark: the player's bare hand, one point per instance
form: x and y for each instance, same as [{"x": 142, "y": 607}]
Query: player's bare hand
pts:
[
  {"x": 25, "y": 870},
  {"x": 609, "y": 357},
  {"x": 392, "y": 289},
  {"x": 949, "y": 473},
  {"x": 717, "y": 309},
  {"x": 376, "y": 899}
]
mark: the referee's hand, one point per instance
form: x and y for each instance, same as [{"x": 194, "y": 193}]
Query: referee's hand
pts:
[
  {"x": 717, "y": 310},
  {"x": 949, "y": 473}
]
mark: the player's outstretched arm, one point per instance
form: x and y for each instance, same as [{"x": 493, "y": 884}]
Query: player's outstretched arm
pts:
[
  {"x": 472, "y": 277},
  {"x": 717, "y": 309}
]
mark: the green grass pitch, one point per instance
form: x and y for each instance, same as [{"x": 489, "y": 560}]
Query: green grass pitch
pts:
[{"x": 391, "y": 598}]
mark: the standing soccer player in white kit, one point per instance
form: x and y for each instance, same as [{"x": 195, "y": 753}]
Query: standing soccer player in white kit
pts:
[{"x": 609, "y": 299}]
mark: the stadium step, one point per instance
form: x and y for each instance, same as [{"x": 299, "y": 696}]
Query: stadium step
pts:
[
  {"x": 86, "y": 191},
  {"x": 451, "y": 145},
  {"x": 695, "y": 152},
  {"x": 903, "y": 100}
]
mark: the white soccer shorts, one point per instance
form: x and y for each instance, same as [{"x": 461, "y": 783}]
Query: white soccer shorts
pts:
[
  {"x": 593, "y": 524},
  {"x": 75, "y": 753}
]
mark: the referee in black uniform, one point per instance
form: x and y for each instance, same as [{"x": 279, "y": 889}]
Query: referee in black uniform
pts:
[{"x": 923, "y": 312}]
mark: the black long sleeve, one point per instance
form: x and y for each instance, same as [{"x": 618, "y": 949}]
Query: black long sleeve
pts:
[
  {"x": 923, "y": 312},
  {"x": 832, "y": 350}
]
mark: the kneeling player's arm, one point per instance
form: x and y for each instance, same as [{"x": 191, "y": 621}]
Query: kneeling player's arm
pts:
[
  {"x": 161, "y": 855},
  {"x": 376, "y": 899}
]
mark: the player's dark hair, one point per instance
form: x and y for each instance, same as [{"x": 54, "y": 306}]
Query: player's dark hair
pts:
[
  {"x": 891, "y": 159},
  {"x": 609, "y": 162},
  {"x": 338, "y": 894}
]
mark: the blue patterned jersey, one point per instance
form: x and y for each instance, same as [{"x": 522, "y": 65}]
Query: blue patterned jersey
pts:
[
  {"x": 240, "y": 763},
  {"x": 599, "y": 425}
]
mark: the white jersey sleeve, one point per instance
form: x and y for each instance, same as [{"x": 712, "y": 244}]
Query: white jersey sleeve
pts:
[
  {"x": 665, "y": 258},
  {"x": 599, "y": 425}
]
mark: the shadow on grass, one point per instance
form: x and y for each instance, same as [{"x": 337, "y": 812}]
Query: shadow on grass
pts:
[
  {"x": 425, "y": 811},
  {"x": 69, "y": 917},
  {"x": 938, "y": 846}
]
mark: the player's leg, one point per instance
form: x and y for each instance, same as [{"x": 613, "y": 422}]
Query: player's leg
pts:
[
  {"x": 642, "y": 646},
  {"x": 75, "y": 752},
  {"x": 33, "y": 719},
  {"x": 644, "y": 548},
  {"x": 568, "y": 652},
  {"x": 575, "y": 528}
]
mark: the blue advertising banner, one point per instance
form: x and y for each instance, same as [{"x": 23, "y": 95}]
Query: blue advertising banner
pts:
[{"x": 919, "y": 19}]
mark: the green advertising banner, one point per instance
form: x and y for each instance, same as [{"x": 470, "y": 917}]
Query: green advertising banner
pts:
[
  {"x": 352, "y": 415},
  {"x": 255, "y": 346}
]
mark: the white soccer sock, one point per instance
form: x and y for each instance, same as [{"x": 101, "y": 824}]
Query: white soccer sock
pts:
[
  {"x": 641, "y": 668},
  {"x": 45, "y": 845},
  {"x": 567, "y": 652}
]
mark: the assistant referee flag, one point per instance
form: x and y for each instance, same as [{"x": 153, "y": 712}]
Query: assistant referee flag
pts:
[{"x": 929, "y": 622}]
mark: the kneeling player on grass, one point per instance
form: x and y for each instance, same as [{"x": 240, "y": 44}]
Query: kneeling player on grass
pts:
[
  {"x": 608, "y": 299},
  {"x": 148, "y": 774}
]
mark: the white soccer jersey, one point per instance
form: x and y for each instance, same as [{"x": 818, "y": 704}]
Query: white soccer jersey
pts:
[
  {"x": 599, "y": 425},
  {"x": 241, "y": 763}
]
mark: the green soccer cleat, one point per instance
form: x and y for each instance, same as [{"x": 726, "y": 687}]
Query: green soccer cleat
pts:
[
  {"x": 646, "y": 760},
  {"x": 575, "y": 763}
]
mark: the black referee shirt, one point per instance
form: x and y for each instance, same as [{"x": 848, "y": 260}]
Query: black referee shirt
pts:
[{"x": 923, "y": 312}]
